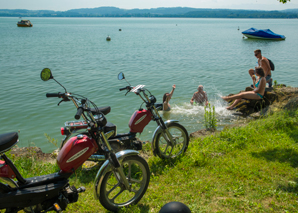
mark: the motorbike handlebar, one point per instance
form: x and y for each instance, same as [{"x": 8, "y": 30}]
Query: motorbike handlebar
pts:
[
  {"x": 58, "y": 95},
  {"x": 79, "y": 113},
  {"x": 125, "y": 88}
]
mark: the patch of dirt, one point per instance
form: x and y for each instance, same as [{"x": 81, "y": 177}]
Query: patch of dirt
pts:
[
  {"x": 34, "y": 151},
  {"x": 203, "y": 133}
]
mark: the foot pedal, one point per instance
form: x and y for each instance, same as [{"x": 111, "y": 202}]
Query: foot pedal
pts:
[
  {"x": 138, "y": 145},
  {"x": 81, "y": 189}
]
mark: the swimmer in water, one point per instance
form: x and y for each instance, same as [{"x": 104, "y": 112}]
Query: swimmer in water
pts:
[
  {"x": 199, "y": 97},
  {"x": 166, "y": 98}
]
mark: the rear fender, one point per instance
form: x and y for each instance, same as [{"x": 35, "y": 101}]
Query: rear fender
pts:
[
  {"x": 157, "y": 131},
  {"x": 106, "y": 166}
]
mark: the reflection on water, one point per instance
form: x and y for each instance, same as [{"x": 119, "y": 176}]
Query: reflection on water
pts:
[{"x": 155, "y": 52}]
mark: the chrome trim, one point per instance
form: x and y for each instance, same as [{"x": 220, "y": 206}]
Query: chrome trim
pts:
[
  {"x": 9, "y": 182},
  {"x": 97, "y": 158},
  {"x": 80, "y": 136},
  {"x": 106, "y": 166}
]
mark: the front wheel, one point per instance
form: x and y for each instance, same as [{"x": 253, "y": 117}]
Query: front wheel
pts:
[
  {"x": 164, "y": 149},
  {"x": 114, "y": 195}
]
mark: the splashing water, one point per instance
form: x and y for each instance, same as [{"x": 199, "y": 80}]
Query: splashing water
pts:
[{"x": 192, "y": 116}]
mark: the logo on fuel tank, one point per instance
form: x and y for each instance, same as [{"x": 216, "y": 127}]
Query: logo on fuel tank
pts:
[
  {"x": 77, "y": 155},
  {"x": 140, "y": 120}
]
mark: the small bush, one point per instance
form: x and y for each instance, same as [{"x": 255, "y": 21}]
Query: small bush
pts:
[{"x": 209, "y": 117}]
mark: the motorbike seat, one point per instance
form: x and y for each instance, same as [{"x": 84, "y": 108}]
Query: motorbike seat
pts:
[
  {"x": 105, "y": 110},
  {"x": 128, "y": 135},
  {"x": 45, "y": 179},
  {"x": 8, "y": 140}
]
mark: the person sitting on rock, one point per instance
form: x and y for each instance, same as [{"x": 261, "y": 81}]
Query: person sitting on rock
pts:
[
  {"x": 264, "y": 63},
  {"x": 199, "y": 97},
  {"x": 257, "y": 94}
]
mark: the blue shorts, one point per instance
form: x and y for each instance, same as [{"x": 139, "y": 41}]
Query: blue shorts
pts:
[{"x": 268, "y": 77}]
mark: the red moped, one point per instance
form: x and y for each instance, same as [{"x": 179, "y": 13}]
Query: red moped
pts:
[
  {"x": 122, "y": 179},
  {"x": 170, "y": 139}
]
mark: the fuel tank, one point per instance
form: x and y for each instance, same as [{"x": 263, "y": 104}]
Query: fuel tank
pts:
[
  {"x": 75, "y": 152},
  {"x": 139, "y": 120}
]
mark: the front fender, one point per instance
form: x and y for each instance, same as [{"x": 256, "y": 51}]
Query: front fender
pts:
[
  {"x": 157, "y": 131},
  {"x": 106, "y": 166}
]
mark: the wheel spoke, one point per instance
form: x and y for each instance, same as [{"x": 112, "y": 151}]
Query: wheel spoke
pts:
[
  {"x": 133, "y": 190},
  {"x": 138, "y": 174},
  {"x": 113, "y": 199},
  {"x": 129, "y": 171},
  {"x": 171, "y": 151},
  {"x": 166, "y": 149},
  {"x": 112, "y": 189},
  {"x": 133, "y": 180}
]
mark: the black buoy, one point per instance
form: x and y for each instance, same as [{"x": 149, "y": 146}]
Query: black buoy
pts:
[
  {"x": 119, "y": 29},
  {"x": 174, "y": 207},
  {"x": 108, "y": 38}
]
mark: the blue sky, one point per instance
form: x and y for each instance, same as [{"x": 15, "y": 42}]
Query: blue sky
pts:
[{"x": 62, "y": 5}]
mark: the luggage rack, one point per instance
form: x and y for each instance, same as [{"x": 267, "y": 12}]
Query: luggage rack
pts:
[{"x": 76, "y": 124}]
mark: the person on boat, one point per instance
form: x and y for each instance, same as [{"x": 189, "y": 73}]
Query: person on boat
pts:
[
  {"x": 199, "y": 97},
  {"x": 257, "y": 94},
  {"x": 166, "y": 99},
  {"x": 264, "y": 63}
]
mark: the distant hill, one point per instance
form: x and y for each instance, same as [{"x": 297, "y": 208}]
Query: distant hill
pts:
[
  {"x": 180, "y": 12},
  {"x": 290, "y": 11}
]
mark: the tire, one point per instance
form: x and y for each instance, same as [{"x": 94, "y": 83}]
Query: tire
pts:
[
  {"x": 181, "y": 140},
  {"x": 114, "y": 196}
]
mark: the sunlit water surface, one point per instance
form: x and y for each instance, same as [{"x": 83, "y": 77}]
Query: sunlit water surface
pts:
[{"x": 155, "y": 52}]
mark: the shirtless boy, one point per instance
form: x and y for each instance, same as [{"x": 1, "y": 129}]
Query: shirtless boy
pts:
[
  {"x": 264, "y": 63},
  {"x": 200, "y": 96}
]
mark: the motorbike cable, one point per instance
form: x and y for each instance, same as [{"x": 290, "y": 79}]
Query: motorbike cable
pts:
[{"x": 148, "y": 91}]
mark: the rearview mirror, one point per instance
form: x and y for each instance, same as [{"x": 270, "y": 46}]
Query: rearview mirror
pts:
[
  {"x": 121, "y": 76},
  {"x": 46, "y": 74}
]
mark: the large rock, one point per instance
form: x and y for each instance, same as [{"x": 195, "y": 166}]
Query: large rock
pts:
[{"x": 247, "y": 107}]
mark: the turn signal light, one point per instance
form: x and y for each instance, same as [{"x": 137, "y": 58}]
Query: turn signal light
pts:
[{"x": 64, "y": 131}]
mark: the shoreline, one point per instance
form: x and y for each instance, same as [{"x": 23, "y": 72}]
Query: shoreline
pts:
[{"x": 287, "y": 99}]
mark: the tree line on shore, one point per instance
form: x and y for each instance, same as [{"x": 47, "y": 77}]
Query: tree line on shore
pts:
[{"x": 175, "y": 12}]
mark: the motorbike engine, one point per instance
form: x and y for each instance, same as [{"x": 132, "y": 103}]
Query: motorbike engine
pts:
[
  {"x": 69, "y": 195},
  {"x": 125, "y": 143},
  {"x": 117, "y": 145}
]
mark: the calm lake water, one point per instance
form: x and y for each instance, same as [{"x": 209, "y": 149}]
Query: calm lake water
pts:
[{"x": 154, "y": 52}]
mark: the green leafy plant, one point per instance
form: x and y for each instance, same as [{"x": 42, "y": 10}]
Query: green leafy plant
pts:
[
  {"x": 209, "y": 117},
  {"x": 51, "y": 140}
]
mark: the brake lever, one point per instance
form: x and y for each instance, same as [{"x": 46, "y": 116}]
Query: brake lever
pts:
[
  {"x": 126, "y": 93},
  {"x": 64, "y": 99}
]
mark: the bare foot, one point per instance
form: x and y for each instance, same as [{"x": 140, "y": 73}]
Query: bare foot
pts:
[
  {"x": 229, "y": 108},
  {"x": 226, "y": 98}
]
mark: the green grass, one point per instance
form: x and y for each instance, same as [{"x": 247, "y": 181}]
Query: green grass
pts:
[{"x": 241, "y": 169}]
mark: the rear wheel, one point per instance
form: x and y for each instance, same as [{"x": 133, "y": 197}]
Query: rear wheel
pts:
[
  {"x": 164, "y": 149},
  {"x": 113, "y": 194}
]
